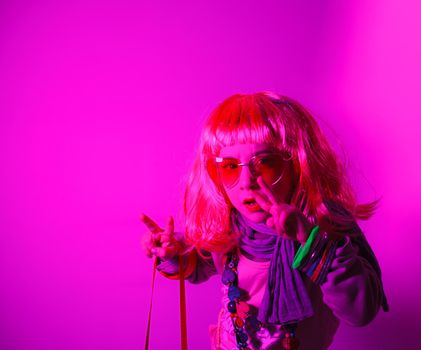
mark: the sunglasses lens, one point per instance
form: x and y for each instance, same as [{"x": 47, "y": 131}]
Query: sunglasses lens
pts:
[
  {"x": 270, "y": 167},
  {"x": 229, "y": 171}
]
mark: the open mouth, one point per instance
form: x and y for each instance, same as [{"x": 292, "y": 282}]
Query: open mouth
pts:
[{"x": 251, "y": 204}]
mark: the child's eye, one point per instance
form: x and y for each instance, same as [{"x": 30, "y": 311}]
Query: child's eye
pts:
[
  {"x": 229, "y": 166},
  {"x": 263, "y": 160},
  {"x": 267, "y": 161}
]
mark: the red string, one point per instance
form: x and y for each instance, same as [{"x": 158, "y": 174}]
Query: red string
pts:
[
  {"x": 150, "y": 306},
  {"x": 183, "y": 318},
  {"x": 183, "y": 321}
]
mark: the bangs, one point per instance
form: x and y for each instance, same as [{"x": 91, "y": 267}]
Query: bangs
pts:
[{"x": 244, "y": 119}]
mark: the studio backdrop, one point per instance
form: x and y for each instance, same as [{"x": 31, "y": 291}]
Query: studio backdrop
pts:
[{"x": 101, "y": 105}]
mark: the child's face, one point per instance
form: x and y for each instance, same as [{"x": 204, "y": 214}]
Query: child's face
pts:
[{"x": 241, "y": 184}]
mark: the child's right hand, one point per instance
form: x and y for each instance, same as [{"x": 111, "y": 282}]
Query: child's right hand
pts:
[{"x": 159, "y": 242}]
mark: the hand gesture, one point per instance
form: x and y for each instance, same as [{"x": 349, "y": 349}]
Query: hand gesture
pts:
[
  {"x": 286, "y": 219},
  {"x": 159, "y": 242}
]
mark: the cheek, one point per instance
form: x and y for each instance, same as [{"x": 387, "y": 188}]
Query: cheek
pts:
[
  {"x": 232, "y": 195},
  {"x": 235, "y": 197}
]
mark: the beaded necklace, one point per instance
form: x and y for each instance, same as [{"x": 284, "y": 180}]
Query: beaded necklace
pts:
[{"x": 239, "y": 310}]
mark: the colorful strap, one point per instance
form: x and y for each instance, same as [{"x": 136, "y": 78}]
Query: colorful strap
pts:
[
  {"x": 183, "y": 321},
  {"x": 148, "y": 330},
  {"x": 183, "y": 318}
]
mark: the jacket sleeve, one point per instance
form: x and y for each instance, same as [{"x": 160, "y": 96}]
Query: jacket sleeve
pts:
[
  {"x": 353, "y": 288},
  {"x": 198, "y": 268}
]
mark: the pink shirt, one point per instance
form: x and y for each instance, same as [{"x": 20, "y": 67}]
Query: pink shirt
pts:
[
  {"x": 352, "y": 293},
  {"x": 252, "y": 276}
]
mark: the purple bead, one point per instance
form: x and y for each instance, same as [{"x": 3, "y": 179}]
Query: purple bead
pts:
[
  {"x": 233, "y": 293},
  {"x": 232, "y": 307},
  {"x": 228, "y": 276},
  {"x": 241, "y": 337}
]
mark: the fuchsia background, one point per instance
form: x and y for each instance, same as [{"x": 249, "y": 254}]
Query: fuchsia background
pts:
[{"x": 101, "y": 104}]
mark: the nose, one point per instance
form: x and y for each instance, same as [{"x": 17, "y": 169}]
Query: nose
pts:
[{"x": 247, "y": 179}]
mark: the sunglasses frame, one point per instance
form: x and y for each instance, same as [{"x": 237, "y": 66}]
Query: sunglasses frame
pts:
[{"x": 251, "y": 165}]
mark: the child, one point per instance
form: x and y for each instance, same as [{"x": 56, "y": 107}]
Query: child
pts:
[{"x": 268, "y": 207}]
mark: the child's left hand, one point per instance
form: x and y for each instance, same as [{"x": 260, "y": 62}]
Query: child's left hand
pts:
[{"x": 286, "y": 219}]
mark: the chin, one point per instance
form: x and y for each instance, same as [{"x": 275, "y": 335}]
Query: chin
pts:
[{"x": 257, "y": 216}]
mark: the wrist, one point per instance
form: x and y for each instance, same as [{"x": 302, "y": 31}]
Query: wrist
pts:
[
  {"x": 315, "y": 257},
  {"x": 304, "y": 250},
  {"x": 304, "y": 230}
]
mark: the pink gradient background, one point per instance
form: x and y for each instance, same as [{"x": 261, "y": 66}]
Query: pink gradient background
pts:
[{"x": 101, "y": 104}]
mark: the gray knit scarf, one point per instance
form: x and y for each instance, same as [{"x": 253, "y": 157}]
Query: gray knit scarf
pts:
[{"x": 286, "y": 299}]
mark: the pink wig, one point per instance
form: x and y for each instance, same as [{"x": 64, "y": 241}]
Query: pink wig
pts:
[{"x": 321, "y": 188}]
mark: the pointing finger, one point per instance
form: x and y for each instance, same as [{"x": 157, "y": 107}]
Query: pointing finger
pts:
[
  {"x": 150, "y": 224},
  {"x": 169, "y": 230},
  {"x": 266, "y": 190},
  {"x": 279, "y": 220}
]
